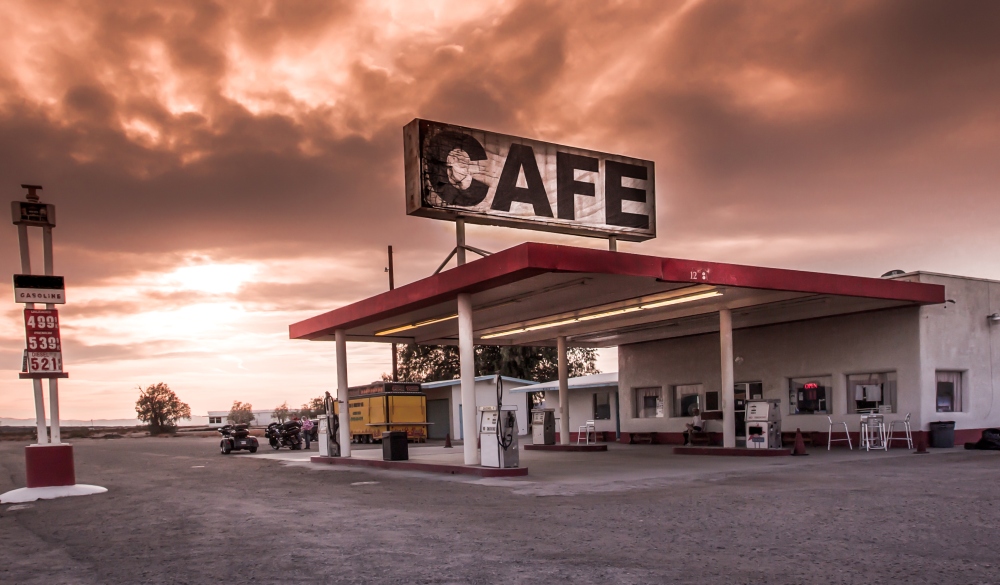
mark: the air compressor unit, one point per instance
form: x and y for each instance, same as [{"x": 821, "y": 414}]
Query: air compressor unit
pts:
[
  {"x": 498, "y": 436},
  {"x": 763, "y": 420}
]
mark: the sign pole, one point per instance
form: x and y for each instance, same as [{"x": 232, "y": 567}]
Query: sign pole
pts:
[
  {"x": 53, "y": 382},
  {"x": 460, "y": 241},
  {"x": 392, "y": 285},
  {"x": 49, "y": 468}
]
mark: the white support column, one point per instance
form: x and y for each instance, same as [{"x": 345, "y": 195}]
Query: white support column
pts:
[
  {"x": 563, "y": 391},
  {"x": 467, "y": 369},
  {"x": 54, "y": 410},
  {"x": 345, "y": 411},
  {"x": 613, "y": 243},
  {"x": 728, "y": 390},
  {"x": 43, "y": 436},
  {"x": 53, "y": 382}
]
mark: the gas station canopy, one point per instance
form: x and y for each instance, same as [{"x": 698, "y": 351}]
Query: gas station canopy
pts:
[{"x": 532, "y": 293}]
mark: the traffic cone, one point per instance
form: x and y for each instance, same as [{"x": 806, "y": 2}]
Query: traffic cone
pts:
[
  {"x": 447, "y": 441},
  {"x": 800, "y": 445},
  {"x": 921, "y": 444}
]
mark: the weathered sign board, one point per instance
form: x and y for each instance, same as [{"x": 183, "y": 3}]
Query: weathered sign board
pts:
[
  {"x": 496, "y": 179},
  {"x": 36, "y": 288},
  {"x": 41, "y": 331}
]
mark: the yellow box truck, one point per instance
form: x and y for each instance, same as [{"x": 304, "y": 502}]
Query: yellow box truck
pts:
[{"x": 387, "y": 406}]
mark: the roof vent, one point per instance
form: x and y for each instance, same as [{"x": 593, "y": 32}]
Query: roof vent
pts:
[{"x": 892, "y": 273}]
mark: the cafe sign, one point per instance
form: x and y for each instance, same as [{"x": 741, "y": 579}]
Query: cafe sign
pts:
[{"x": 496, "y": 179}]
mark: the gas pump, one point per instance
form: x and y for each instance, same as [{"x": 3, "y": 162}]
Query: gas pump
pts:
[
  {"x": 329, "y": 428},
  {"x": 498, "y": 436},
  {"x": 763, "y": 424},
  {"x": 498, "y": 432},
  {"x": 543, "y": 426}
]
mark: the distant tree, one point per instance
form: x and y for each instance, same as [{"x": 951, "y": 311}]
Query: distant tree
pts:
[
  {"x": 281, "y": 412},
  {"x": 313, "y": 408},
  {"x": 160, "y": 408},
  {"x": 241, "y": 413},
  {"x": 427, "y": 363}
]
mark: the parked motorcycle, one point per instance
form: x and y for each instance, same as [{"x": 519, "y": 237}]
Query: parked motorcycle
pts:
[
  {"x": 237, "y": 438},
  {"x": 287, "y": 434}
]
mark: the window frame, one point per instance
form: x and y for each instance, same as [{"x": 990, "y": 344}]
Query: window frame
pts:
[
  {"x": 640, "y": 410},
  {"x": 607, "y": 396},
  {"x": 958, "y": 390},
  {"x": 889, "y": 383},
  {"x": 793, "y": 400},
  {"x": 676, "y": 402}
]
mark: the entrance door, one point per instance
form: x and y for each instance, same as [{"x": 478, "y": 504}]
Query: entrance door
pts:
[{"x": 437, "y": 416}]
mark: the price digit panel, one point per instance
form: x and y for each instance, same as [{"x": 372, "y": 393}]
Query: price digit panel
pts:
[{"x": 41, "y": 331}]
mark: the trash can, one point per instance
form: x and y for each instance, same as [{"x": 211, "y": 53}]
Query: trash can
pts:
[
  {"x": 943, "y": 434},
  {"x": 394, "y": 446}
]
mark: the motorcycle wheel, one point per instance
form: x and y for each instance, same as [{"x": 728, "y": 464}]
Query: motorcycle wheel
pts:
[
  {"x": 275, "y": 445},
  {"x": 253, "y": 449},
  {"x": 225, "y": 447}
]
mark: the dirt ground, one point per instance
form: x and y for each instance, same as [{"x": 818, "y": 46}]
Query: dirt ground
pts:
[{"x": 178, "y": 512}]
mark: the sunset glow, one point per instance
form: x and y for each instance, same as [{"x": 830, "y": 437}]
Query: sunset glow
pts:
[{"x": 224, "y": 170}]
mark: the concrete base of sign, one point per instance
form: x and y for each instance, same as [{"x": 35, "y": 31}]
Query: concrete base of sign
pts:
[
  {"x": 731, "y": 452},
  {"x": 30, "y": 494},
  {"x": 445, "y": 468},
  {"x": 587, "y": 448},
  {"x": 49, "y": 465}
]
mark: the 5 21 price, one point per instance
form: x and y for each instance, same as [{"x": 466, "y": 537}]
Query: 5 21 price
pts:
[
  {"x": 47, "y": 322},
  {"x": 46, "y": 363},
  {"x": 50, "y": 343}
]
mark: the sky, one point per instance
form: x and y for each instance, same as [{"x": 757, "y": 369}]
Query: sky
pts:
[{"x": 223, "y": 169}]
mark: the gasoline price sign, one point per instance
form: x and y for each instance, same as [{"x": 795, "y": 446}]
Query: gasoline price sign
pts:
[{"x": 41, "y": 329}]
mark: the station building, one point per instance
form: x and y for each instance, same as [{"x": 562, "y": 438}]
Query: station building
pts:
[
  {"x": 703, "y": 334},
  {"x": 444, "y": 403}
]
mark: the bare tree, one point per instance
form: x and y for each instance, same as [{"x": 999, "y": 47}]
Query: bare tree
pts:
[
  {"x": 241, "y": 413},
  {"x": 281, "y": 412}
]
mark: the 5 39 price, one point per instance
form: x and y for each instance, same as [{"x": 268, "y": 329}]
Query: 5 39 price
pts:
[{"x": 49, "y": 343}]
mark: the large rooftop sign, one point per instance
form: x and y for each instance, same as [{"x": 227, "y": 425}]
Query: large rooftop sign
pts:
[{"x": 496, "y": 179}]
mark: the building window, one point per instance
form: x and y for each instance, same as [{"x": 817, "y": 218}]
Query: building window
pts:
[
  {"x": 949, "y": 391},
  {"x": 648, "y": 403},
  {"x": 867, "y": 393},
  {"x": 809, "y": 395},
  {"x": 687, "y": 398},
  {"x": 602, "y": 406},
  {"x": 712, "y": 401},
  {"x": 212, "y": 420}
]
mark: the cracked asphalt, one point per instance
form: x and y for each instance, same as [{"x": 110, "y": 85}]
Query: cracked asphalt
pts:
[{"x": 178, "y": 512}]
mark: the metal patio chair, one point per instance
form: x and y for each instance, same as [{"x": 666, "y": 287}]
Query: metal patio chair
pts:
[
  {"x": 585, "y": 430},
  {"x": 905, "y": 423},
  {"x": 873, "y": 432},
  {"x": 829, "y": 434}
]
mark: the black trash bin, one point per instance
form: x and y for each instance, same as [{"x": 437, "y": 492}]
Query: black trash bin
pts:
[
  {"x": 394, "y": 446},
  {"x": 943, "y": 434}
]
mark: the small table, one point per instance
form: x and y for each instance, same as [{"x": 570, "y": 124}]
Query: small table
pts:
[{"x": 873, "y": 432}]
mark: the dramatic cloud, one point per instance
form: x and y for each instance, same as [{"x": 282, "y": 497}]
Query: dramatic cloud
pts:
[{"x": 224, "y": 169}]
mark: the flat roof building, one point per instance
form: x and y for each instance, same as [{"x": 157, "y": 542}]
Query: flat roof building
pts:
[{"x": 691, "y": 332}]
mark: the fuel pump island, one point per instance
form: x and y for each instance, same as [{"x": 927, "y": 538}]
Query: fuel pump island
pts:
[{"x": 49, "y": 468}]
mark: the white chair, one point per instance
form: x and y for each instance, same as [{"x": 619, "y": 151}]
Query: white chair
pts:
[
  {"x": 829, "y": 435},
  {"x": 905, "y": 423},
  {"x": 585, "y": 431},
  {"x": 873, "y": 432}
]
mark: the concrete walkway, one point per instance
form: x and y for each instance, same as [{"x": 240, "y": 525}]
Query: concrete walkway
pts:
[{"x": 621, "y": 468}]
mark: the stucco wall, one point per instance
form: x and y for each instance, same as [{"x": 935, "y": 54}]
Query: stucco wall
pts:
[
  {"x": 581, "y": 408},
  {"x": 837, "y": 346},
  {"x": 957, "y": 336}
]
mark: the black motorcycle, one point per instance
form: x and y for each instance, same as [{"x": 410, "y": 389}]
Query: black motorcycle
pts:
[
  {"x": 237, "y": 438},
  {"x": 287, "y": 434}
]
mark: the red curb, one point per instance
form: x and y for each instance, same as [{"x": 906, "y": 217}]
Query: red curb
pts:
[
  {"x": 731, "y": 452},
  {"x": 565, "y": 447},
  {"x": 427, "y": 467}
]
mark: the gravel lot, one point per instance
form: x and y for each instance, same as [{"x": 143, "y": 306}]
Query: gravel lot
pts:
[{"x": 177, "y": 512}]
